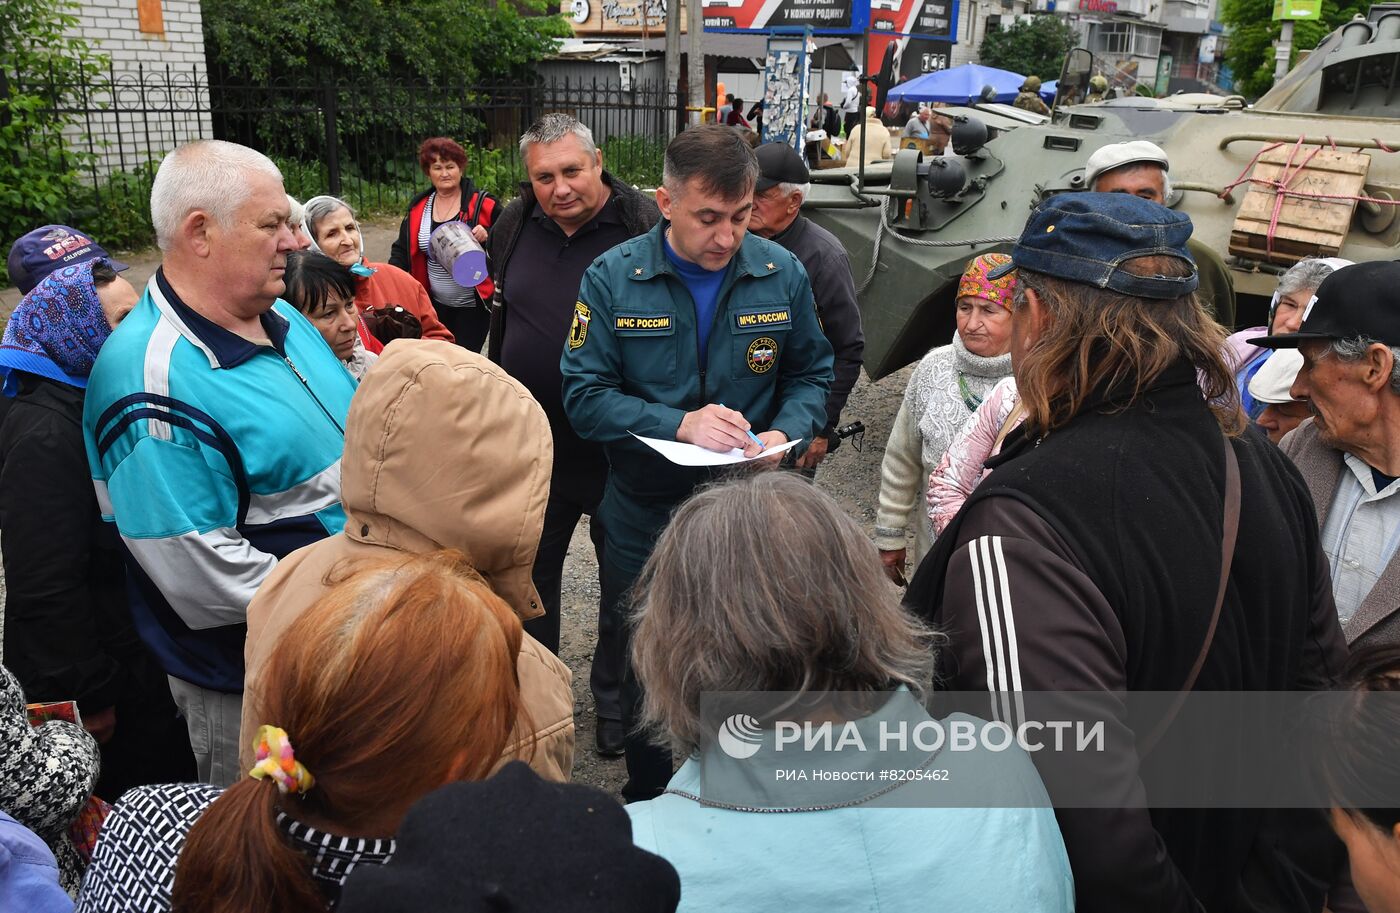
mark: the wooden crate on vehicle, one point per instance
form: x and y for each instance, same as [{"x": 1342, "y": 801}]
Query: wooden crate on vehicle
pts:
[{"x": 1307, "y": 227}]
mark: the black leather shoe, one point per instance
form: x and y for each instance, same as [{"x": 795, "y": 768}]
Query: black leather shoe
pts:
[{"x": 609, "y": 738}]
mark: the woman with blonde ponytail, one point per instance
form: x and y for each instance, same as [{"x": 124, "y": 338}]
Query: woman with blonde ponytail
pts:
[{"x": 399, "y": 680}]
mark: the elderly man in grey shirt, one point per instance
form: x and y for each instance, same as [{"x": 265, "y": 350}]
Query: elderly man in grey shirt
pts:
[
  {"x": 1349, "y": 452},
  {"x": 917, "y": 126},
  {"x": 783, "y": 181}
]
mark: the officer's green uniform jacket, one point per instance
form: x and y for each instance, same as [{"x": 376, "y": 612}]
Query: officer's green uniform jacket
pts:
[{"x": 631, "y": 362}]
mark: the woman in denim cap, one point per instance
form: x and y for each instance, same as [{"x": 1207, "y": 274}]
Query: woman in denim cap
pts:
[{"x": 68, "y": 631}]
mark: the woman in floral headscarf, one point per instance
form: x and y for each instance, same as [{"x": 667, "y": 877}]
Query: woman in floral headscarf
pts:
[
  {"x": 947, "y": 386},
  {"x": 68, "y": 633}
]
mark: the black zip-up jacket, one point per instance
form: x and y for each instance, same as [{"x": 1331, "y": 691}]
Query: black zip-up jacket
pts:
[
  {"x": 69, "y": 633},
  {"x": 638, "y": 213},
  {"x": 1089, "y": 560},
  {"x": 68, "y": 630},
  {"x": 829, "y": 270}
]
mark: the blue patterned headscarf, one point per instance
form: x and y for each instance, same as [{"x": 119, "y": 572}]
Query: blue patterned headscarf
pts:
[{"x": 56, "y": 329}]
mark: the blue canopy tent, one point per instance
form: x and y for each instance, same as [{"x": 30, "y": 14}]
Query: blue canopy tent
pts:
[
  {"x": 1047, "y": 91},
  {"x": 959, "y": 85}
]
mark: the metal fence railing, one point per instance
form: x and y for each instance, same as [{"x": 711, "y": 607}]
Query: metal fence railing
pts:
[{"x": 359, "y": 141}]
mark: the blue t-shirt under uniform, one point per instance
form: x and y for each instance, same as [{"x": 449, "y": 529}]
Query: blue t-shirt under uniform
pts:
[{"x": 703, "y": 285}]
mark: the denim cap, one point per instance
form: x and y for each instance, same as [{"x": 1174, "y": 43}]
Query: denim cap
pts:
[
  {"x": 1088, "y": 237},
  {"x": 49, "y": 248}
]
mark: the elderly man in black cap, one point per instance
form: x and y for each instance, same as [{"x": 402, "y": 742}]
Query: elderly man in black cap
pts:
[
  {"x": 783, "y": 183},
  {"x": 1099, "y": 556},
  {"x": 1349, "y": 451}
]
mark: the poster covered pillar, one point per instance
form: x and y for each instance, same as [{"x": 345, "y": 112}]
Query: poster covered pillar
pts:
[{"x": 786, "y": 71}]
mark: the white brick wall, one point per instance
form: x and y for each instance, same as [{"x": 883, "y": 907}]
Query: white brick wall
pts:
[{"x": 120, "y": 137}]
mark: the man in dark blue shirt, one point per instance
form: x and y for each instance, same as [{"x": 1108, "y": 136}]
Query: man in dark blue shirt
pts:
[{"x": 567, "y": 215}]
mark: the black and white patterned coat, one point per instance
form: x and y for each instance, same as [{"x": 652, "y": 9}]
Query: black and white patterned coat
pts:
[
  {"x": 133, "y": 867},
  {"x": 46, "y": 776}
]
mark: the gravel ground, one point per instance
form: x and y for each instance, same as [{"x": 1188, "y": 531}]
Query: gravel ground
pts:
[{"x": 852, "y": 476}]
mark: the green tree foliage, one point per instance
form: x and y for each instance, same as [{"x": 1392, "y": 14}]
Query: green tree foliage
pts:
[
  {"x": 1034, "y": 48},
  {"x": 435, "y": 41},
  {"x": 46, "y": 162},
  {"x": 1252, "y": 36},
  {"x": 371, "y": 59},
  {"x": 41, "y": 69}
]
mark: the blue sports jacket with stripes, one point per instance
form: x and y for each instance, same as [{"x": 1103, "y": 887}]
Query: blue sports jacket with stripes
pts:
[{"x": 214, "y": 456}]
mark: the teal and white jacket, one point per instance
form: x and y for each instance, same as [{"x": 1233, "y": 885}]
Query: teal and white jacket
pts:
[{"x": 214, "y": 456}]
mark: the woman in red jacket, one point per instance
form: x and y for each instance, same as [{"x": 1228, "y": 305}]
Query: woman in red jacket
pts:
[
  {"x": 452, "y": 197},
  {"x": 335, "y": 232}
]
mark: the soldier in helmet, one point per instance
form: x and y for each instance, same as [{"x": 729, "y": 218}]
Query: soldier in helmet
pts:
[
  {"x": 1029, "y": 97},
  {"x": 1098, "y": 89}
]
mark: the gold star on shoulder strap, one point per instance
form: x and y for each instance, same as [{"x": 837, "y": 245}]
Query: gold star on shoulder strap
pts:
[
  {"x": 771, "y": 266},
  {"x": 637, "y": 272}
]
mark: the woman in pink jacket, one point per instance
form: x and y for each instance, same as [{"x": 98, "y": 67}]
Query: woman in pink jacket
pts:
[{"x": 964, "y": 462}]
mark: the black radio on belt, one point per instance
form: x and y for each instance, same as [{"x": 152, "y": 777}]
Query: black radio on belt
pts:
[{"x": 854, "y": 430}]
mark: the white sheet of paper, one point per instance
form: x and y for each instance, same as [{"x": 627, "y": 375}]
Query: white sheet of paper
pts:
[{"x": 691, "y": 455}]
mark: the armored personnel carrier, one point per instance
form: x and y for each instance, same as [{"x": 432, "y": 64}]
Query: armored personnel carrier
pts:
[{"x": 1311, "y": 169}]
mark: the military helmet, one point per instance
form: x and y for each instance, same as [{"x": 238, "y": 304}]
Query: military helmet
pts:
[
  {"x": 1032, "y": 84},
  {"x": 1098, "y": 84}
]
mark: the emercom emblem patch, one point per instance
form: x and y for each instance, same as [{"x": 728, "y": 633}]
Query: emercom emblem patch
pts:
[
  {"x": 578, "y": 331},
  {"x": 763, "y": 354}
]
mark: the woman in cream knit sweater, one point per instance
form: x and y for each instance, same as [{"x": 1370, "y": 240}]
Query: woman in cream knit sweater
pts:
[{"x": 945, "y": 389}]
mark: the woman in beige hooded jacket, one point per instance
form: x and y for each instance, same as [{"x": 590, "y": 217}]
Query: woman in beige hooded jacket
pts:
[{"x": 483, "y": 492}]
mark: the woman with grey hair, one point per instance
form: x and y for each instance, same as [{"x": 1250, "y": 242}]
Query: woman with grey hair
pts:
[
  {"x": 379, "y": 287},
  {"x": 1286, "y": 312},
  {"x": 297, "y": 220},
  {"x": 763, "y": 584}
]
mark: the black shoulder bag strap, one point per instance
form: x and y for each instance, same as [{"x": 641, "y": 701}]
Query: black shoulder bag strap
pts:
[
  {"x": 1230, "y": 529},
  {"x": 474, "y": 212}
]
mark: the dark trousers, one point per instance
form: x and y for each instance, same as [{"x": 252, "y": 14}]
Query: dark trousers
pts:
[
  {"x": 561, "y": 515},
  {"x": 851, "y": 120},
  {"x": 469, "y": 325},
  {"x": 649, "y": 766},
  {"x": 151, "y": 743}
]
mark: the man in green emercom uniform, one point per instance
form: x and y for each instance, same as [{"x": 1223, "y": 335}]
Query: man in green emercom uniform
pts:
[{"x": 693, "y": 332}]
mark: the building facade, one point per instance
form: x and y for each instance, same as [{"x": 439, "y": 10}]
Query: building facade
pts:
[
  {"x": 156, "y": 49},
  {"x": 1195, "y": 41}
]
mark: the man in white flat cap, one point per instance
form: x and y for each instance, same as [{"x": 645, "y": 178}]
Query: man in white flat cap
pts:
[
  {"x": 1140, "y": 168},
  {"x": 1271, "y": 385}
]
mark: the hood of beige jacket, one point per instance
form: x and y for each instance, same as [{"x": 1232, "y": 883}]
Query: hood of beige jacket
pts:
[{"x": 443, "y": 449}]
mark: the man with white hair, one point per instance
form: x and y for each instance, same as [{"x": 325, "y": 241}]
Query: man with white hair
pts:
[
  {"x": 1348, "y": 453},
  {"x": 917, "y": 127},
  {"x": 214, "y": 423},
  {"x": 1141, "y": 169},
  {"x": 568, "y": 213},
  {"x": 783, "y": 183}
]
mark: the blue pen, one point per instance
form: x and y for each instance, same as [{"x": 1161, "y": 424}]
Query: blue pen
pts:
[{"x": 753, "y": 437}]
